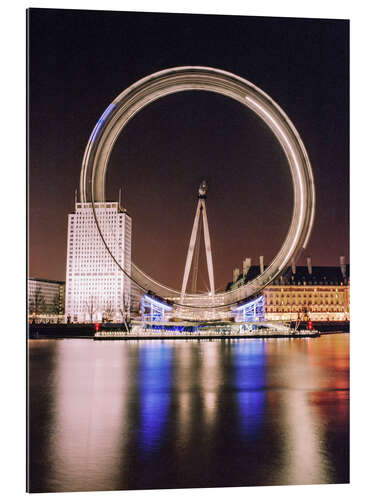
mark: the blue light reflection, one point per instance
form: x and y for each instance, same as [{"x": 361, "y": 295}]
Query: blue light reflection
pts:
[
  {"x": 250, "y": 358},
  {"x": 155, "y": 377}
]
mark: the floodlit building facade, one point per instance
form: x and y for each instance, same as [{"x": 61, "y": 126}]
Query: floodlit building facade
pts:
[
  {"x": 96, "y": 288},
  {"x": 45, "y": 300},
  {"x": 304, "y": 292}
]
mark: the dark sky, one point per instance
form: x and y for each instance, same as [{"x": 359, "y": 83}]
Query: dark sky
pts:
[{"x": 81, "y": 60}]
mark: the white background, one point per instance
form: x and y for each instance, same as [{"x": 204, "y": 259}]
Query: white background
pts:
[{"x": 13, "y": 241}]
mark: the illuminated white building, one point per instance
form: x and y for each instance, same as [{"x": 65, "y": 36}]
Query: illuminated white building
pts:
[{"x": 96, "y": 288}]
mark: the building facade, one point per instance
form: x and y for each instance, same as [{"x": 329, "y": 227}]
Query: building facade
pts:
[
  {"x": 96, "y": 288},
  {"x": 46, "y": 300},
  {"x": 304, "y": 293},
  {"x": 316, "y": 303}
]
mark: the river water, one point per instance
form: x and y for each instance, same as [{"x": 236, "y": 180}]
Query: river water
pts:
[{"x": 113, "y": 415}]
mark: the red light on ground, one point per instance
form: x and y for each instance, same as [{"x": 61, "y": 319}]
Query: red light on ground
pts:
[{"x": 309, "y": 325}]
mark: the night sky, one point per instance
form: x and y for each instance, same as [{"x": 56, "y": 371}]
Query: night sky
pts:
[{"x": 79, "y": 61}]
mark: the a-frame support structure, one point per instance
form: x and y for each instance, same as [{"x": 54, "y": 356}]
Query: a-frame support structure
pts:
[{"x": 201, "y": 210}]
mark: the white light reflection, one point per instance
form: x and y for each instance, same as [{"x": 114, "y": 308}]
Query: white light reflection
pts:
[
  {"x": 210, "y": 378},
  {"x": 90, "y": 414}
]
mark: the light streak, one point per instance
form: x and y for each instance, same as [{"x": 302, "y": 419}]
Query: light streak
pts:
[
  {"x": 248, "y": 304},
  {"x": 157, "y": 303},
  {"x": 298, "y": 166},
  {"x": 100, "y": 122},
  {"x": 173, "y": 80}
]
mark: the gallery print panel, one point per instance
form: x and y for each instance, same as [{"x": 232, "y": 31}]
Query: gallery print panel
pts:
[{"x": 188, "y": 264}]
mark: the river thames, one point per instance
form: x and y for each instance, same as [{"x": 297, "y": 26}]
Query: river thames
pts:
[{"x": 115, "y": 415}]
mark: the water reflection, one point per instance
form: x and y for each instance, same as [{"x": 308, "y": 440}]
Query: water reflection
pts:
[
  {"x": 89, "y": 414},
  {"x": 249, "y": 362},
  {"x": 153, "y": 414},
  {"x": 155, "y": 379},
  {"x": 210, "y": 379},
  {"x": 303, "y": 461}
]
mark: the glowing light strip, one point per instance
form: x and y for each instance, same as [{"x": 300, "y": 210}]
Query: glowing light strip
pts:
[
  {"x": 296, "y": 164},
  {"x": 249, "y": 304},
  {"x": 100, "y": 121},
  {"x": 156, "y": 302}
]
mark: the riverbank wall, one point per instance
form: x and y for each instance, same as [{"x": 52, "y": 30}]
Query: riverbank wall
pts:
[{"x": 79, "y": 331}]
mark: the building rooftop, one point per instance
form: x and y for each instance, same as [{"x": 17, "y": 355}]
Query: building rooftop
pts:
[
  {"x": 320, "y": 275},
  {"x": 42, "y": 280}
]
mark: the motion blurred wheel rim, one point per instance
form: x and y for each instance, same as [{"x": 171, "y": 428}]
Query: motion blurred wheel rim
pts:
[{"x": 184, "y": 78}]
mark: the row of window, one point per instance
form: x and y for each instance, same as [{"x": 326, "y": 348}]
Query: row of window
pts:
[{"x": 313, "y": 309}]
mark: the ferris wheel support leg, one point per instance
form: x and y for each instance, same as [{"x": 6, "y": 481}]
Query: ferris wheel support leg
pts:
[
  {"x": 207, "y": 243},
  {"x": 190, "y": 251}
]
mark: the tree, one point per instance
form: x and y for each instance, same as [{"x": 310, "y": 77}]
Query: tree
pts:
[
  {"x": 125, "y": 309},
  {"x": 91, "y": 307},
  {"x": 37, "y": 303},
  {"x": 108, "y": 312}
]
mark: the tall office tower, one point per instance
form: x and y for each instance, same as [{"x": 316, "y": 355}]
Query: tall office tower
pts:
[{"x": 96, "y": 288}]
